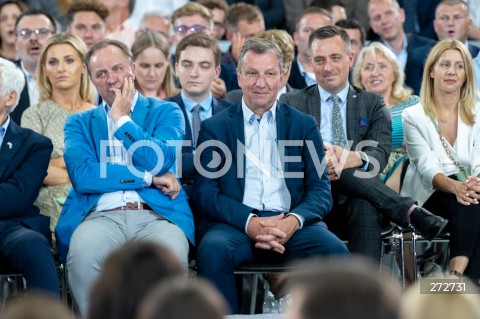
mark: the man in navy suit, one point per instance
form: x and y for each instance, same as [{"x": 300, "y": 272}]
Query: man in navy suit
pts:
[
  {"x": 264, "y": 202},
  {"x": 451, "y": 22},
  {"x": 197, "y": 65},
  {"x": 387, "y": 20},
  {"x": 24, "y": 158}
]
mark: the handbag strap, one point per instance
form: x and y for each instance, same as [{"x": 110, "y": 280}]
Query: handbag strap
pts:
[{"x": 445, "y": 147}]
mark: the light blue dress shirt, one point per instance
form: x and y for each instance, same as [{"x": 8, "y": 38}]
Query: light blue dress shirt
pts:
[
  {"x": 402, "y": 55},
  {"x": 265, "y": 187},
  {"x": 309, "y": 79}
]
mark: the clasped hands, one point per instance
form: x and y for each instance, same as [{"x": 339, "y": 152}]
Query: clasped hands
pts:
[
  {"x": 338, "y": 159},
  {"x": 271, "y": 233},
  {"x": 468, "y": 192}
]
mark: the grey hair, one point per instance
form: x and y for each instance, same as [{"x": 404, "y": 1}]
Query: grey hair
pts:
[
  {"x": 11, "y": 79},
  {"x": 260, "y": 46}
]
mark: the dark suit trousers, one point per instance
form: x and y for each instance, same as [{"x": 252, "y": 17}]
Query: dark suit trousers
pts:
[
  {"x": 464, "y": 228},
  {"x": 28, "y": 252},
  {"x": 370, "y": 205},
  {"x": 223, "y": 247}
]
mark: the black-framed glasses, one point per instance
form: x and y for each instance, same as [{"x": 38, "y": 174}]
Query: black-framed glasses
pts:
[
  {"x": 40, "y": 33},
  {"x": 193, "y": 28}
]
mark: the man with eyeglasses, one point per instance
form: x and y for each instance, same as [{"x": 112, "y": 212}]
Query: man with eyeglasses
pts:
[
  {"x": 32, "y": 28},
  {"x": 86, "y": 19},
  {"x": 451, "y": 22},
  {"x": 194, "y": 17}
]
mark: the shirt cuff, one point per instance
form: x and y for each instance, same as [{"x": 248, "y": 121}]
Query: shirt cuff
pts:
[
  {"x": 365, "y": 161},
  {"x": 300, "y": 218},
  {"x": 248, "y": 221},
  {"x": 124, "y": 119},
  {"x": 147, "y": 179}
]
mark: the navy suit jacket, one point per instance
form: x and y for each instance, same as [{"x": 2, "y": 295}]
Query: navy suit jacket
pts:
[
  {"x": 367, "y": 118},
  {"x": 220, "y": 198},
  {"x": 187, "y": 151},
  {"x": 24, "y": 159},
  {"x": 416, "y": 62},
  {"x": 23, "y": 103}
]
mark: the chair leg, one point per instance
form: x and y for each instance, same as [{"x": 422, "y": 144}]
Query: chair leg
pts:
[
  {"x": 414, "y": 254},
  {"x": 253, "y": 301}
]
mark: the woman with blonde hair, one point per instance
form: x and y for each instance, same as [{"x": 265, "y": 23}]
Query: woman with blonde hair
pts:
[
  {"x": 153, "y": 71},
  {"x": 442, "y": 134},
  {"x": 378, "y": 70},
  {"x": 65, "y": 88}
]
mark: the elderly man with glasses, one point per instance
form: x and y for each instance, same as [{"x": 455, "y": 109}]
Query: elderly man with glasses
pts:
[{"x": 32, "y": 28}]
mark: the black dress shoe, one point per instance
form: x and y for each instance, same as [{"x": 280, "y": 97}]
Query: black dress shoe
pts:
[{"x": 428, "y": 224}]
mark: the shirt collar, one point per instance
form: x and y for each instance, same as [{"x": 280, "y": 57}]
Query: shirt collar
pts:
[
  {"x": 5, "y": 127},
  {"x": 25, "y": 71},
  {"x": 249, "y": 116},
  {"x": 404, "y": 49},
  {"x": 190, "y": 104},
  {"x": 106, "y": 107},
  {"x": 342, "y": 95}
]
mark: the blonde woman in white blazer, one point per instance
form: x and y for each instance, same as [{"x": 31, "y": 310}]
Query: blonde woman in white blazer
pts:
[{"x": 442, "y": 135}]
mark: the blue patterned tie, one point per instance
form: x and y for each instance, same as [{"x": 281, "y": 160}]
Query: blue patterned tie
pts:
[
  {"x": 196, "y": 121},
  {"x": 338, "y": 137}
]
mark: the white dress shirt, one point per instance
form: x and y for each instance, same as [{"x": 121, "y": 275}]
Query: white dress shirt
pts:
[{"x": 118, "y": 156}]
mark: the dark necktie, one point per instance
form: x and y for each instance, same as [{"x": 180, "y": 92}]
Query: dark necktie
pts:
[
  {"x": 337, "y": 123},
  {"x": 196, "y": 121},
  {"x": 411, "y": 19}
]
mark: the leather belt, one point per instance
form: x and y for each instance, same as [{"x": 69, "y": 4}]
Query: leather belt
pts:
[{"x": 132, "y": 206}]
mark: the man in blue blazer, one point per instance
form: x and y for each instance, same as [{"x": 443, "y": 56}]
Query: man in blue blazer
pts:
[
  {"x": 24, "y": 158},
  {"x": 121, "y": 160},
  {"x": 254, "y": 206},
  {"x": 197, "y": 65}
]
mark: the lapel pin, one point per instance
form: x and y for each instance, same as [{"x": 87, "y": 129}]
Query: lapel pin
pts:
[{"x": 10, "y": 145}]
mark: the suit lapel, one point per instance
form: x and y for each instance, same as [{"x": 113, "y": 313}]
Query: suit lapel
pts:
[
  {"x": 313, "y": 103},
  {"x": 353, "y": 116},
  {"x": 141, "y": 110},
  {"x": 12, "y": 142},
  {"x": 99, "y": 127},
  {"x": 238, "y": 133},
  {"x": 188, "y": 131}
]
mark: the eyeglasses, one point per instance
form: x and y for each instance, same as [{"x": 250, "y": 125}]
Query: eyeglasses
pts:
[
  {"x": 195, "y": 28},
  {"x": 39, "y": 33}
]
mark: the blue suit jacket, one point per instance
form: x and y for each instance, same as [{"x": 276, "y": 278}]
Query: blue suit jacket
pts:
[
  {"x": 220, "y": 199},
  {"x": 416, "y": 62},
  {"x": 187, "y": 152},
  {"x": 24, "y": 159},
  {"x": 153, "y": 121}
]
